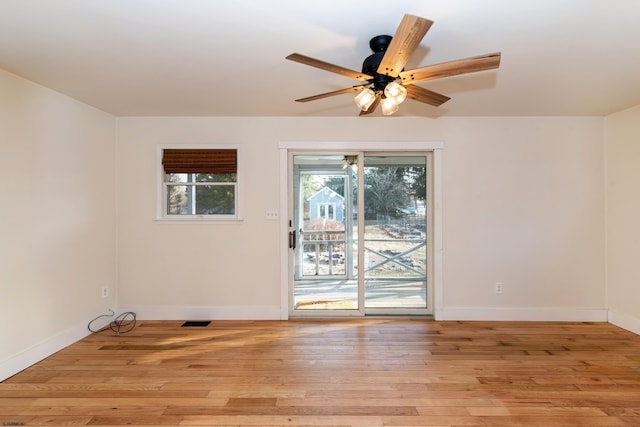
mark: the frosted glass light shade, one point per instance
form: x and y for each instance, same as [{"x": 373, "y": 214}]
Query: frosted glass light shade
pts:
[
  {"x": 396, "y": 91},
  {"x": 389, "y": 106},
  {"x": 365, "y": 99}
]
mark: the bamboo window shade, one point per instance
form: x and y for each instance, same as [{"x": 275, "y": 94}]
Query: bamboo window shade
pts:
[{"x": 210, "y": 161}]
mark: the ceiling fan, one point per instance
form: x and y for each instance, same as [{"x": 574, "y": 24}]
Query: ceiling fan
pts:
[{"x": 385, "y": 81}]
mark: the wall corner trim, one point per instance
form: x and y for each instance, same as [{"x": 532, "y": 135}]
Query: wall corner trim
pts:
[{"x": 624, "y": 321}]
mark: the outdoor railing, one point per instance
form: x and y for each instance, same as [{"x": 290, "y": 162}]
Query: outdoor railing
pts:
[
  {"x": 324, "y": 248},
  {"x": 324, "y": 253}
]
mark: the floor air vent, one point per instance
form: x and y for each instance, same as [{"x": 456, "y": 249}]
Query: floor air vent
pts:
[{"x": 197, "y": 323}]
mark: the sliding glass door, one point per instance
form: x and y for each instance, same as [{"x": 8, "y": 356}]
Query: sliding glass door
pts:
[{"x": 358, "y": 233}]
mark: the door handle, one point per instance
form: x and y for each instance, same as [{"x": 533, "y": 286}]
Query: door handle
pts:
[{"x": 292, "y": 239}]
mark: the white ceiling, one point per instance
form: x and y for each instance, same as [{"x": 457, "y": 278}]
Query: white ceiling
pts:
[{"x": 215, "y": 58}]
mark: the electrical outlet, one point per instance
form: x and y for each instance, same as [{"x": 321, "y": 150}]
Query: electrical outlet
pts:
[
  {"x": 272, "y": 215},
  {"x": 499, "y": 287},
  {"x": 104, "y": 291}
]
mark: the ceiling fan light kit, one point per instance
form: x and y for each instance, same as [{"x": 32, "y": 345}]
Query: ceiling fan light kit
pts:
[
  {"x": 389, "y": 106},
  {"x": 365, "y": 99},
  {"x": 395, "y": 91},
  {"x": 385, "y": 81}
]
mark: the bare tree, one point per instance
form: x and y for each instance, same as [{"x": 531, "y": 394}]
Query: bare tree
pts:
[{"x": 385, "y": 190}]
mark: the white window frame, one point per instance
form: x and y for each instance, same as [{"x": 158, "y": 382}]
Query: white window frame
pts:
[{"x": 161, "y": 209}]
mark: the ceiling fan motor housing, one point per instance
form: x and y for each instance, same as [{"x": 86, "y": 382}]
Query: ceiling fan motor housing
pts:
[{"x": 378, "y": 45}]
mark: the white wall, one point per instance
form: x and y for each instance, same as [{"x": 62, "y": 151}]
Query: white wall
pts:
[
  {"x": 57, "y": 220},
  {"x": 523, "y": 205},
  {"x": 623, "y": 216}
]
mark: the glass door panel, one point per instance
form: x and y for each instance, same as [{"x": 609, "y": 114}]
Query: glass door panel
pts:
[
  {"x": 395, "y": 233},
  {"x": 325, "y": 267}
]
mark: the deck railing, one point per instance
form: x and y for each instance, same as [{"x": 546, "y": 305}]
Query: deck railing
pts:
[{"x": 324, "y": 254}]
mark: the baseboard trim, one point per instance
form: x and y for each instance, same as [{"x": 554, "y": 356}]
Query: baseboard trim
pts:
[
  {"x": 259, "y": 312},
  {"x": 534, "y": 314},
  {"x": 625, "y": 321},
  {"x": 46, "y": 348}
]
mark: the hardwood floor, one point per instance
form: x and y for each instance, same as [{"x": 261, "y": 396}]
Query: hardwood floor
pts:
[{"x": 363, "y": 372}]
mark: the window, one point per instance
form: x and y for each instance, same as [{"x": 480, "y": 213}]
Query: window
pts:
[
  {"x": 199, "y": 183},
  {"x": 326, "y": 210}
]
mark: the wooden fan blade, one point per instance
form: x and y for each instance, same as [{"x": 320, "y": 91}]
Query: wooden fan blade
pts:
[
  {"x": 406, "y": 39},
  {"x": 452, "y": 68},
  {"x": 328, "y": 94},
  {"x": 373, "y": 106},
  {"x": 329, "y": 67},
  {"x": 427, "y": 96}
]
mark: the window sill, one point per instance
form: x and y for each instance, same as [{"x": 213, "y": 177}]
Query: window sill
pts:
[{"x": 200, "y": 221}]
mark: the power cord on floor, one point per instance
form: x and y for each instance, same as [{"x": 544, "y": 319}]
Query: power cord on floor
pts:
[{"x": 122, "y": 324}]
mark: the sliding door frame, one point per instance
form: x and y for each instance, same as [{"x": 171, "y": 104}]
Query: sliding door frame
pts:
[{"x": 286, "y": 208}]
